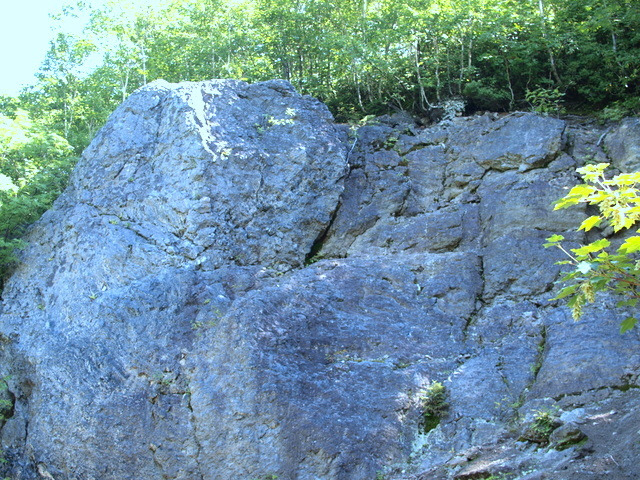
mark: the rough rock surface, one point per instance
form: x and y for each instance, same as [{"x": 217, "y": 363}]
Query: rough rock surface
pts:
[{"x": 234, "y": 288}]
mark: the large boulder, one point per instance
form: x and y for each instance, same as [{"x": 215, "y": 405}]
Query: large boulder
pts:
[
  {"x": 186, "y": 197},
  {"x": 232, "y": 287}
]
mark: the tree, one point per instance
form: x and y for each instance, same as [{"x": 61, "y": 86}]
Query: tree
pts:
[
  {"x": 359, "y": 56},
  {"x": 60, "y": 77},
  {"x": 34, "y": 167}
]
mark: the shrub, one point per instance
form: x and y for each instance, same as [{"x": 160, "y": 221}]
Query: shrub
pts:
[
  {"x": 434, "y": 406},
  {"x": 546, "y": 101},
  {"x": 543, "y": 424}
]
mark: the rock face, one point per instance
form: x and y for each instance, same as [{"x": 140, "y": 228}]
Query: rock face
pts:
[{"x": 232, "y": 287}]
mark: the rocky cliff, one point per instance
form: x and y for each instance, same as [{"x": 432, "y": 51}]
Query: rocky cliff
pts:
[{"x": 233, "y": 287}]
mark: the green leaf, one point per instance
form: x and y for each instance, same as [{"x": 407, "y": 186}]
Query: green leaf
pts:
[
  {"x": 567, "y": 202},
  {"x": 553, "y": 241},
  {"x": 628, "y": 324},
  {"x": 592, "y": 247},
  {"x": 555, "y": 238},
  {"x": 630, "y": 245},
  {"x": 600, "y": 244},
  {"x": 600, "y": 283},
  {"x": 581, "y": 191},
  {"x": 632, "y": 302},
  {"x": 565, "y": 292},
  {"x": 590, "y": 222},
  {"x": 570, "y": 276}
]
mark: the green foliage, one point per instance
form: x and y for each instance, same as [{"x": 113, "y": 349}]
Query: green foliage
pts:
[
  {"x": 34, "y": 166},
  {"x": 364, "y": 58},
  {"x": 486, "y": 97},
  {"x": 6, "y": 406},
  {"x": 618, "y": 110},
  {"x": 546, "y": 101},
  {"x": 544, "y": 422},
  {"x": 433, "y": 402},
  {"x": 501, "y": 476},
  {"x": 598, "y": 266}
]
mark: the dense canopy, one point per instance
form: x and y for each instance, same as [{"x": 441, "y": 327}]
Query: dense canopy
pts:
[{"x": 359, "y": 56}]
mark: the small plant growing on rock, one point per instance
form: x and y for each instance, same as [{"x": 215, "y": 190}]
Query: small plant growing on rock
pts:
[
  {"x": 6, "y": 407},
  {"x": 434, "y": 406},
  {"x": 595, "y": 268},
  {"x": 501, "y": 476},
  {"x": 390, "y": 142},
  {"x": 543, "y": 424}
]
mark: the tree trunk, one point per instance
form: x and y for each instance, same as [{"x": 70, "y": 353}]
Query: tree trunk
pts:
[
  {"x": 552, "y": 60},
  {"x": 508, "y": 72},
  {"x": 423, "y": 96}
]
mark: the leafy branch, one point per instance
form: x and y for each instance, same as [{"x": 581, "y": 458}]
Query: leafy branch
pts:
[{"x": 597, "y": 266}]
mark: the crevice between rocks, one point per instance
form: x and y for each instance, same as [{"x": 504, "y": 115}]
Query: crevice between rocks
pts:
[
  {"x": 318, "y": 243},
  {"x": 619, "y": 388},
  {"x": 535, "y": 369},
  {"x": 542, "y": 350},
  {"x": 480, "y": 302},
  {"x": 194, "y": 429}
]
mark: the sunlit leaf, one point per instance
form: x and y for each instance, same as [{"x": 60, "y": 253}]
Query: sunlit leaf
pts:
[
  {"x": 630, "y": 245},
  {"x": 592, "y": 247},
  {"x": 582, "y": 191},
  {"x": 590, "y": 222},
  {"x": 592, "y": 171},
  {"x": 555, "y": 238},
  {"x": 600, "y": 244},
  {"x": 567, "y": 202},
  {"x": 553, "y": 241}
]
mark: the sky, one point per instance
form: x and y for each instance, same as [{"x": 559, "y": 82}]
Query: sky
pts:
[{"x": 25, "y": 32}]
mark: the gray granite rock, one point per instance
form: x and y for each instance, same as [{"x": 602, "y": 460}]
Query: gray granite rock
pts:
[
  {"x": 622, "y": 144},
  {"x": 231, "y": 287}
]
